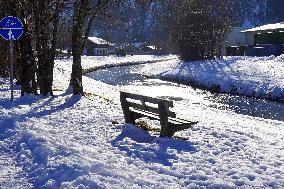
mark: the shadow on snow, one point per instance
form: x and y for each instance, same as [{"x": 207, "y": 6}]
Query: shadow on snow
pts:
[
  {"x": 137, "y": 142},
  {"x": 32, "y": 153}
]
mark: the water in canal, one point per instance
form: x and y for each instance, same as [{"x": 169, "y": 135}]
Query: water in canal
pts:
[{"x": 129, "y": 77}]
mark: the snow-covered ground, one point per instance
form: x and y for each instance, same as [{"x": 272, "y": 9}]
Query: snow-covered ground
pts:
[
  {"x": 10, "y": 175},
  {"x": 251, "y": 76},
  {"x": 71, "y": 142}
]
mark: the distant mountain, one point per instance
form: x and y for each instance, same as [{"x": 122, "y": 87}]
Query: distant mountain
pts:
[
  {"x": 276, "y": 11},
  {"x": 135, "y": 23},
  {"x": 256, "y": 12},
  {"x": 141, "y": 24}
]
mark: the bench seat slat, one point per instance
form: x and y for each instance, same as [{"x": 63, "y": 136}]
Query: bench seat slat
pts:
[
  {"x": 149, "y": 109},
  {"x": 179, "y": 120},
  {"x": 173, "y": 121},
  {"x": 146, "y": 114},
  {"x": 147, "y": 99},
  {"x": 150, "y": 115}
]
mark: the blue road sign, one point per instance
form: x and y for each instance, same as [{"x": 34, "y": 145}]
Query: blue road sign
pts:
[{"x": 11, "y": 28}]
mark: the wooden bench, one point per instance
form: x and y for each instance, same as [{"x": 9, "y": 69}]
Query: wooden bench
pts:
[{"x": 137, "y": 106}]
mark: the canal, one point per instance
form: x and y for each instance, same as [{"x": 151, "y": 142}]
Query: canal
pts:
[{"x": 128, "y": 77}]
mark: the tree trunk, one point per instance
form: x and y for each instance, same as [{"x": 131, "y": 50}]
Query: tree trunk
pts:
[
  {"x": 45, "y": 66},
  {"x": 80, "y": 12},
  {"x": 76, "y": 76},
  {"x": 52, "y": 51},
  {"x": 28, "y": 64},
  {"x": 26, "y": 68}
]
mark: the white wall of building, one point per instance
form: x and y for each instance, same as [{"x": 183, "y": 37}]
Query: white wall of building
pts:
[
  {"x": 234, "y": 38},
  {"x": 250, "y": 38}
]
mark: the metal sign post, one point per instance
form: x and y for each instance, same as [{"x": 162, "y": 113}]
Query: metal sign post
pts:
[
  {"x": 12, "y": 69},
  {"x": 11, "y": 29}
]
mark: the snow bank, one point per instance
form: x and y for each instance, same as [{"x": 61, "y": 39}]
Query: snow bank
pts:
[
  {"x": 251, "y": 76},
  {"x": 95, "y": 62}
]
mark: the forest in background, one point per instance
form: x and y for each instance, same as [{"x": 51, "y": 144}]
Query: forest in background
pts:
[{"x": 143, "y": 25}]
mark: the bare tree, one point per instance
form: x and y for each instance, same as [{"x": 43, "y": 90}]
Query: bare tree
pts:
[
  {"x": 46, "y": 19},
  {"x": 25, "y": 62},
  {"x": 37, "y": 47},
  {"x": 197, "y": 27},
  {"x": 85, "y": 12},
  {"x": 27, "y": 58}
]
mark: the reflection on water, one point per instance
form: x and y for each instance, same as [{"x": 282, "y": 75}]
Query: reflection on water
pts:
[
  {"x": 128, "y": 75},
  {"x": 249, "y": 106},
  {"x": 120, "y": 76}
]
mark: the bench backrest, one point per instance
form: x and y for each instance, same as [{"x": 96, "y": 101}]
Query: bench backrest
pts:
[{"x": 146, "y": 103}]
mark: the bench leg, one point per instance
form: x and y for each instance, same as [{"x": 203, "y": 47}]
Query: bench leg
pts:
[
  {"x": 165, "y": 131},
  {"x": 125, "y": 108},
  {"x": 132, "y": 118},
  {"x": 164, "y": 114},
  {"x": 127, "y": 116}
]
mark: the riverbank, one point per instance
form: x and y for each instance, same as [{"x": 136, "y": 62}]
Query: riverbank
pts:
[
  {"x": 261, "y": 77},
  {"x": 93, "y": 63},
  {"x": 125, "y": 62}
]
